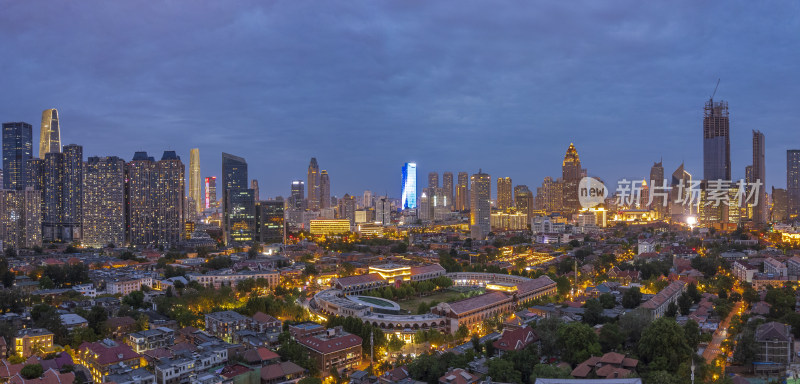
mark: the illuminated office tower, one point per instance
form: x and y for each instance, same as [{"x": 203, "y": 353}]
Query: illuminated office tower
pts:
[
  {"x": 50, "y": 135},
  {"x": 716, "y": 141},
  {"x": 195, "y": 180},
  {"x": 347, "y": 208},
  {"x": 211, "y": 192},
  {"x": 297, "y": 195},
  {"x": 462, "y": 192},
  {"x": 313, "y": 185},
  {"x": 63, "y": 195},
  {"x": 254, "y": 187},
  {"x": 760, "y": 210},
  {"x": 367, "y": 199},
  {"x": 324, "y": 189},
  {"x": 433, "y": 180},
  {"x": 447, "y": 186},
  {"x": 21, "y": 218},
  {"x": 480, "y": 212},
  {"x": 17, "y": 151},
  {"x": 270, "y": 221},
  {"x": 504, "y": 197},
  {"x": 383, "y": 210},
  {"x": 238, "y": 200},
  {"x": 104, "y": 201},
  {"x": 425, "y": 206},
  {"x": 680, "y": 198},
  {"x": 571, "y": 174},
  {"x": 35, "y": 177},
  {"x": 793, "y": 181},
  {"x": 523, "y": 199},
  {"x": 408, "y": 196}
]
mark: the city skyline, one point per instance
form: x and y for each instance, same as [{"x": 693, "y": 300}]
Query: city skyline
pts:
[{"x": 611, "y": 78}]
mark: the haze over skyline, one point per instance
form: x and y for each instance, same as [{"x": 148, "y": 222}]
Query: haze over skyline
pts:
[{"x": 365, "y": 87}]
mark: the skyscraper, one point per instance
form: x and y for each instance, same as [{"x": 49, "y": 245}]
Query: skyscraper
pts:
[
  {"x": 238, "y": 200},
  {"x": 408, "y": 195},
  {"x": 367, "y": 199},
  {"x": 17, "y": 150},
  {"x": 656, "y": 182},
  {"x": 793, "y": 181},
  {"x": 156, "y": 192},
  {"x": 716, "y": 141},
  {"x": 780, "y": 205},
  {"x": 504, "y": 198},
  {"x": 447, "y": 185},
  {"x": 254, "y": 187},
  {"x": 462, "y": 192},
  {"x": 195, "y": 180},
  {"x": 297, "y": 196},
  {"x": 324, "y": 189},
  {"x": 550, "y": 196},
  {"x": 313, "y": 185},
  {"x": 433, "y": 180},
  {"x": 50, "y": 136},
  {"x": 170, "y": 192},
  {"x": 680, "y": 198},
  {"x": 211, "y": 192},
  {"x": 571, "y": 174},
  {"x": 63, "y": 195},
  {"x": 383, "y": 210},
  {"x": 104, "y": 201},
  {"x": 270, "y": 221},
  {"x": 523, "y": 199},
  {"x": 141, "y": 205},
  {"x": 35, "y": 177},
  {"x": 760, "y": 210},
  {"x": 347, "y": 208},
  {"x": 480, "y": 212}
]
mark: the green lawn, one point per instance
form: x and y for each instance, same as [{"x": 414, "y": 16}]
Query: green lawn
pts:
[
  {"x": 376, "y": 301},
  {"x": 441, "y": 296}
]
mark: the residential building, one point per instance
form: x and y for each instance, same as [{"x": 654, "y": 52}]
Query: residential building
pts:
[
  {"x": 775, "y": 348},
  {"x": 225, "y": 278},
  {"x": 458, "y": 376},
  {"x": 156, "y": 194},
  {"x": 63, "y": 195},
  {"x": 104, "y": 202},
  {"x": 515, "y": 339},
  {"x": 480, "y": 205},
  {"x": 505, "y": 199},
  {"x": 160, "y": 337},
  {"x": 658, "y": 304},
  {"x": 462, "y": 192},
  {"x": 775, "y": 268},
  {"x": 793, "y": 181},
  {"x": 29, "y": 341},
  {"x": 334, "y": 349},
  {"x": 760, "y": 205},
  {"x": 103, "y": 357},
  {"x": 17, "y": 151},
  {"x": 195, "y": 180},
  {"x": 20, "y": 218}
]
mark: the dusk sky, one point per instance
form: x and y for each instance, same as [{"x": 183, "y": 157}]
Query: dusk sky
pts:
[{"x": 365, "y": 86}]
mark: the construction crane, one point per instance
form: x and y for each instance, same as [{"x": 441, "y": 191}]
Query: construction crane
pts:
[{"x": 715, "y": 90}]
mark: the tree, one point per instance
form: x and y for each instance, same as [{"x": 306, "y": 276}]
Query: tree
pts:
[
  {"x": 691, "y": 331},
  {"x": 750, "y": 295},
  {"x": 663, "y": 345},
  {"x": 608, "y": 301},
  {"x": 31, "y": 371},
  {"x": 503, "y": 371},
  {"x": 662, "y": 377},
  {"x": 611, "y": 338},
  {"x": 685, "y": 303},
  {"x": 693, "y": 293},
  {"x": 547, "y": 329},
  {"x": 476, "y": 343},
  {"x": 633, "y": 324},
  {"x": 135, "y": 299},
  {"x": 549, "y": 372},
  {"x": 632, "y": 298},
  {"x": 97, "y": 317},
  {"x": 578, "y": 342},
  {"x": 592, "y": 312},
  {"x": 672, "y": 310},
  {"x": 310, "y": 380},
  {"x": 489, "y": 347},
  {"x": 746, "y": 347},
  {"x": 395, "y": 344},
  {"x": 46, "y": 283},
  {"x": 563, "y": 285}
]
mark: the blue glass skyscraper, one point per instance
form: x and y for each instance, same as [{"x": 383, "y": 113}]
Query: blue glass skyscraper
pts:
[
  {"x": 17, "y": 150},
  {"x": 409, "y": 193}
]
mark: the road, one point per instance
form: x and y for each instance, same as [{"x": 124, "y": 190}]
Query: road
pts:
[{"x": 712, "y": 351}]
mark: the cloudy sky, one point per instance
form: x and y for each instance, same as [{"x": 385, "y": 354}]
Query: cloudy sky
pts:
[{"x": 365, "y": 86}]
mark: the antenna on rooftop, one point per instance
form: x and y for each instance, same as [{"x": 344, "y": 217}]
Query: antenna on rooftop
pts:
[{"x": 715, "y": 90}]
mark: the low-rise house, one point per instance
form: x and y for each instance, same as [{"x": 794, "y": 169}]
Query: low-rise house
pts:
[
  {"x": 160, "y": 337},
  {"x": 131, "y": 376},
  {"x": 515, "y": 339},
  {"x": 100, "y": 357},
  {"x": 612, "y": 365},
  {"x": 458, "y": 376},
  {"x": 775, "y": 348},
  {"x": 51, "y": 376},
  {"x": 120, "y": 326},
  {"x": 28, "y": 341},
  {"x": 72, "y": 321},
  {"x": 282, "y": 372},
  {"x": 334, "y": 349},
  {"x": 658, "y": 304}
]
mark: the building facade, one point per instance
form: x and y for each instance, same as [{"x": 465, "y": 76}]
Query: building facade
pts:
[
  {"x": 50, "y": 134},
  {"x": 63, "y": 195},
  {"x": 716, "y": 141},
  {"x": 408, "y": 194},
  {"x": 195, "y": 180},
  {"x": 17, "y": 151},
  {"x": 237, "y": 199},
  {"x": 480, "y": 211},
  {"x": 104, "y": 202},
  {"x": 313, "y": 185},
  {"x": 505, "y": 199}
]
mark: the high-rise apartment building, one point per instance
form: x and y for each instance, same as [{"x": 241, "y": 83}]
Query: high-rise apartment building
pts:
[
  {"x": 367, "y": 199},
  {"x": 50, "y": 135},
  {"x": 462, "y": 192},
  {"x": 313, "y": 185},
  {"x": 480, "y": 212},
  {"x": 383, "y": 210},
  {"x": 347, "y": 208},
  {"x": 35, "y": 176},
  {"x": 17, "y": 151},
  {"x": 780, "y": 205},
  {"x": 270, "y": 221},
  {"x": 656, "y": 188},
  {"x": 716, "y": 141},
  {"x": 505, "y": 199},
  {"x": 238, "y": 200},
  {"x": 63, "y": 195},
  {"x": 195, "y": 181},
  {"x": 324, "y": 189},
  {"x": 760, "y": 209},
  {"x": 523, "y": 199},
  {"x": 550, "y": 196},
  {"x": 254, "y": 187},
  {"x": 571, "y": 174},
  {"x": 297, "y": 195},
  {"x": 433, "y": 180},
  {"x": 156, "y": 192},
  {"x": 793, "y": 181},
  {"x": 447, "y": 186},
  {"x": 408, "y": 195},
  {"x": 21, "y": 218},
  {"x": 104, "y": 201},
  {"x": 211, "y": 192}
]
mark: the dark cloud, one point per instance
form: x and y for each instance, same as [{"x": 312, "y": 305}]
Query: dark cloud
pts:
[{"x": 365, "y": 86}]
